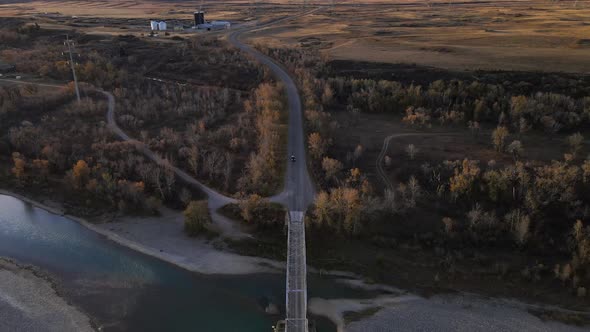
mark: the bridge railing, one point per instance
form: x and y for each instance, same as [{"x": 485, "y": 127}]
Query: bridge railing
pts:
[{"x": 296, "y": 281}]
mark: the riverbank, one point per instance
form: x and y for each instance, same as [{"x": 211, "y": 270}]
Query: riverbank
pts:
[
  {"x": 163, "y": 237},
  {"x": 405, "y": 312},
  {"x": 29, "y": 302}
]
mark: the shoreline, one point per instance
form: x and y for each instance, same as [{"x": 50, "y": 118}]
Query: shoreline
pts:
[
  {"x": 252, "y": 265},
  {"x": 30, "y": 300},
  {"x": 213, "y": 260}
]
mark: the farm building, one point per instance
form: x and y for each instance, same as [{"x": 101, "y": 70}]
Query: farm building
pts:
[
  {"x": 201, "y": 23},
  {"x": 158, "y": 25}
]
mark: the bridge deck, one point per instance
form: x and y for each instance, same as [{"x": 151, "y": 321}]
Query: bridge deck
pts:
[{"x": 296, "y": 296}]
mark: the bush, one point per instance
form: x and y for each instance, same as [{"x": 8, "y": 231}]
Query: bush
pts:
[{"x": 196, "y": 218}]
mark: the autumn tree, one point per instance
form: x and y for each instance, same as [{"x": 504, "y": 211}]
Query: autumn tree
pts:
[
  {"x": 348, "y": 206},
  {"x": 499, "y": 136},
  {"x": 317, "y": 145},
  {"x": 19, "y": 166},
  {"x": 332, "y": 167},
  {"x": 80, "y": 174},
  {"x": 196, "y": 218},
  {"x": 575, "y": 142},
  {"x": 461, "y": 183},
  {"x": 322, "y": 209},
  {"x": 497, "y": 183},
  {"x": 41, "y": 167},
  {"x": 249, "y": 205}
]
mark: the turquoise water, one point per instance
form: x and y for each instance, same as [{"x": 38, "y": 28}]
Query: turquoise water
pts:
[{"x": 127, "y": 291}]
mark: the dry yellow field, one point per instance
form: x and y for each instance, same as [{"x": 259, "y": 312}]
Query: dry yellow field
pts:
[
  {"x": 523, "y": 35},
  {"x": 516, "y": 35}
]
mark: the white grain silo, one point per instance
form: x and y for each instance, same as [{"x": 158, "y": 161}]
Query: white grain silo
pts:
[
  {"x": 154, "y": 25},
  {"x": 162, "y": 25}
]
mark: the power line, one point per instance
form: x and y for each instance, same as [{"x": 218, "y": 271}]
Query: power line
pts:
[{"x": 69, "y": 43}]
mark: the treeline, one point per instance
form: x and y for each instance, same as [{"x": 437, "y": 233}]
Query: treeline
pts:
[
  {"x": 537, "y": 208},
  {"x": 459, "y": 102},
  {"x": 345, "y": 193},
  {"x": 47, "y": 60},
  {"x": 223, "y": 137},
  {"x": 266, "y": 110},
  {"x": 527, "y": 207},
  {"x": 441, "y": 102}
]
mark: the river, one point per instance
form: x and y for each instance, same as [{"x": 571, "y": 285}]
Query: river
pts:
[{"x": 123, "y": 290}]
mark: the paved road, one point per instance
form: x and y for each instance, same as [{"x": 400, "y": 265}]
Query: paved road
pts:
[{"x": 298, "y": 192}]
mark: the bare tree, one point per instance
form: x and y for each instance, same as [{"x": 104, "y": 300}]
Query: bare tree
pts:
[
  {"x": 169, "y": 179},
  {"x": 227, "y": 169},
  {"x": 193, "y": 159},
  {"x": 411, "y": 150},
  {"x": 211, "y": 162}
]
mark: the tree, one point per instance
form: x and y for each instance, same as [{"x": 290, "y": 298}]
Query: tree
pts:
[
  {"x": 388, "y": 161},
  {"x": 414, "y": 191},
  {"x": 327, "y": 95},
  {"x": 169, "y": 178},
  {"x": 499, "y": 136},
  {"x": 41, "y": 166},
  {"x": 389, "y": 202},
  {"x": 196, "y": 218},
  {"x": 358, "y": 152},
  {"x": 322, "y": 209},
  {"x": 497, "y": 183},
  {"x": 523, "y": 126},
  {"x": 575, "y": 142},
  {"x": 409, "y": 192},
  {"x": 411, "y": 150},
  {"x": 193, "y": 160},
  {"x": 211, "y": 163},
  {"x": 347, "y": 204},
  {"x": 519, "y": 224},
  {"x": 80, "y": 174},
  {"x": 249, "y": 206},
  {"x": 317, "y": 145},
  {"x": 462, "y": 182},
  {"x": 331, "y": 167},
  {"x": 515, "y": 149},
  {"x": 19, "y": 166},
  {"x": 185, "y": 196},
  {"x": 586, "y": 171},
  {"x": 227, "y": 169}
]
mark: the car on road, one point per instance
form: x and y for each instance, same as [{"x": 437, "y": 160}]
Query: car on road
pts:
[{"x": 293, "y": 158}]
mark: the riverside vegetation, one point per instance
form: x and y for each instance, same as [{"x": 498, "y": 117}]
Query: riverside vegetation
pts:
[
  {"x": 506, "y": 219},
  {"x": 53, "y": 146}
]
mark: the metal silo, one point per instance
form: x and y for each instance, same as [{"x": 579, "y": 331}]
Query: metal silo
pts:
[
  {"x": 162, "y": 25},
  {"x": 199, "y": 18},
  {"x": 154, "y": 25}
]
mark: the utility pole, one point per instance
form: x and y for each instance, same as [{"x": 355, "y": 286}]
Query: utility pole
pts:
[{"x": 69, "y": 44}]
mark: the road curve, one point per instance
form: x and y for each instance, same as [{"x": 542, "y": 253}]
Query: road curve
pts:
[{"x": 298, "y": 191}]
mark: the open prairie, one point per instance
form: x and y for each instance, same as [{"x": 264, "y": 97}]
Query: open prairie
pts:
[
  {"x": 537, "y": 35},
  {"x": 487, "y": 35}
]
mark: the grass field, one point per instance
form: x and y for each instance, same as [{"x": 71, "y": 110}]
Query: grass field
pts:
[
  {"x": 517, "y": 35},
  {"x": 536, "y": 35}
]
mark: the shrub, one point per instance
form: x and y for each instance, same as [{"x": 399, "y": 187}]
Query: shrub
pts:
[{"x": 196, "y": 218}]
